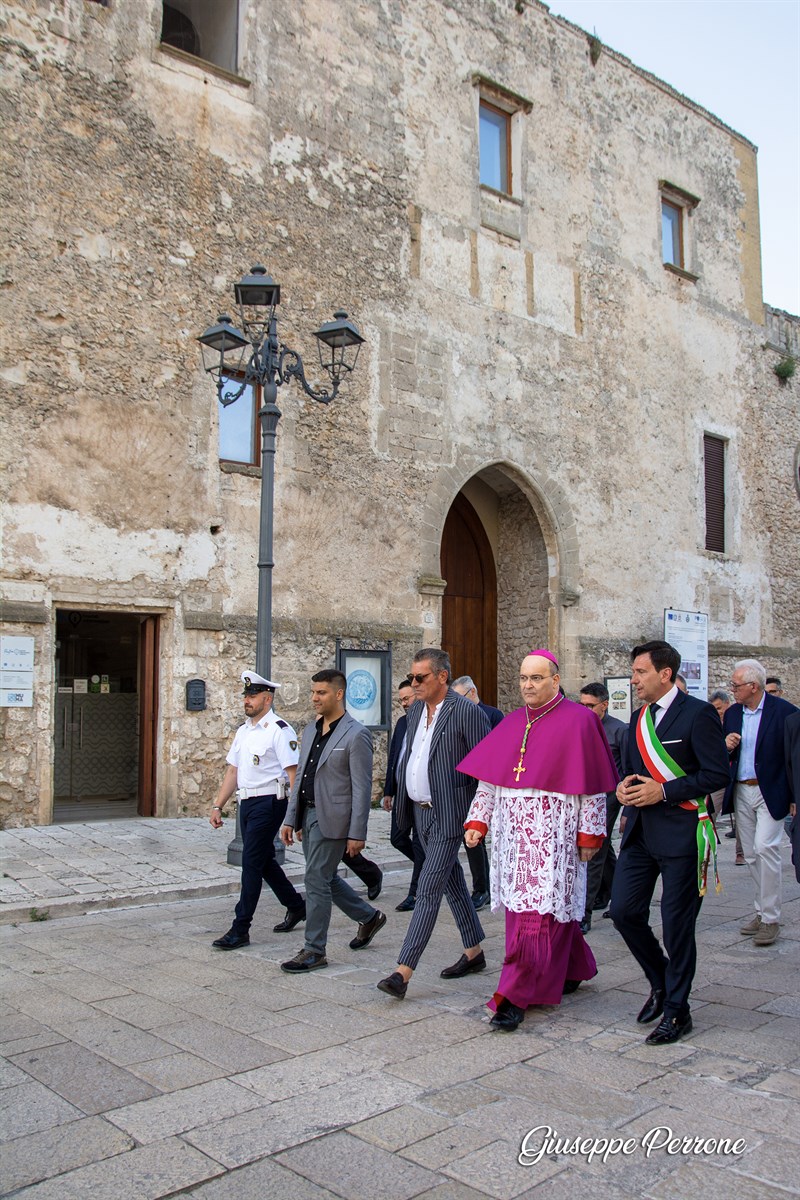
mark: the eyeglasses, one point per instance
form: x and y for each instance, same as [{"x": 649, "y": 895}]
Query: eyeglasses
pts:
[
  {"x": 420, "y": 678},
  {"x": 735, "y": 686}
]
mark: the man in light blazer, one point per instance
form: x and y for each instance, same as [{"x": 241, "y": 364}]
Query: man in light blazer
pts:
[
  {"x": 328, "y": 812},
  {"x": 660, "y": 837},
  {"x": 758, "y": 789},
  {"x": 442, "y": 728}
]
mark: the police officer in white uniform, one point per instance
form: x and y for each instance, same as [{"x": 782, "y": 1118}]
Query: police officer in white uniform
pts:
[{"x": 262, "y": 763}]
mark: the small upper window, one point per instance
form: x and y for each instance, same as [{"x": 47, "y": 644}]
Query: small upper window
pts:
[
  {"x": 714, "y": 472},
  {"x": 677, "y": 245},
  {"x": 238, "y": 426},
  {"x": 495, "y": 148},
  {"x": 205, "y": 29},
  {"x": 671, "y": 234}
]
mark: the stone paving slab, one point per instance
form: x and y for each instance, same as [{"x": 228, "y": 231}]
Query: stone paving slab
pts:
[{"x": 334, "y": 1074}]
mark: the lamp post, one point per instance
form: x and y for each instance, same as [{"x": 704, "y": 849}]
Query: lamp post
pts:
[{"x": 252, "y": 354}]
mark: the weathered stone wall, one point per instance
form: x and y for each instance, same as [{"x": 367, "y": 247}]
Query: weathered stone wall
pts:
[{"x": 540, "y": 340}]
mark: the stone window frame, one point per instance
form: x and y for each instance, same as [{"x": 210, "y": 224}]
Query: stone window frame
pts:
[
  {"x": 502, "y": 211},
  {"x": 677, "y": 198},
  {"x": 207, "y": 66}
]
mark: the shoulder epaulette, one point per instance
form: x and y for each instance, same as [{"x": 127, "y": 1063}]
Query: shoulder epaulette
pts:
[{"x": 282, "y": 724}]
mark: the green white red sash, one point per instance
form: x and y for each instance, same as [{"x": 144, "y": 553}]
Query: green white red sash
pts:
[{"x": 662, "y": 767}]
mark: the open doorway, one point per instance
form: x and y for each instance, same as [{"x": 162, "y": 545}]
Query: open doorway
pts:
[{"x": 105, "y": 714}]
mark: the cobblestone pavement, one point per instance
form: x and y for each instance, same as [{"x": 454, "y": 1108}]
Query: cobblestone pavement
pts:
[{"x": 139, "y": 1063}]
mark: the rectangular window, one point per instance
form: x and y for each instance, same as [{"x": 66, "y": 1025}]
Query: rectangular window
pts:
[
  {"x": 238, "y": 426},
  {"x": 495, "y": 148},
  {"x": 714, "y": 466},
  {"x": 671, "y": 233},
  {"x": 205, "y": 29}
]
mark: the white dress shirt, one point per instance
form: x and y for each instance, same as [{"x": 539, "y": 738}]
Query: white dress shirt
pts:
[{"x": 417, "y": 783}]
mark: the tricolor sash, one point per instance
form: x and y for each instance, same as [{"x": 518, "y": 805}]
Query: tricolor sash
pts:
[{"x": 662, "y": 767}]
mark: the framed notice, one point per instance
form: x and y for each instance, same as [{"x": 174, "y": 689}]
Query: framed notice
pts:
[
  {"x": 16, "y": 671},
  {"x": 688, "y": 633},
  {"x": 368, "y": 674},
  {"x": 619, "y": 697}
]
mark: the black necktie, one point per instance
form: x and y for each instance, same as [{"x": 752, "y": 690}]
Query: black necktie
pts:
[{"x": 654, "y": 708}]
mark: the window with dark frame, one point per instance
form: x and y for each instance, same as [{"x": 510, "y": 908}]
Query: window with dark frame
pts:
[
  {"x": 238, "y": 426},
  {"x": 714, "y": 470},
  {"x": 495, "y": 148}
]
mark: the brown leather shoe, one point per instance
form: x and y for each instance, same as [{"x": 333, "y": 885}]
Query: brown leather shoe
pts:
[
  {"x": 393, "y": 985},
  {"x": 766, "y": 935},
  {"x": 751, "y": 928},
  {"x": 367, "y": 930},
  {"x": 465, "y": 966}
]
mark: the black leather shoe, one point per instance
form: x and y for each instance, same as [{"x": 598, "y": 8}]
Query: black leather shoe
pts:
[
  {"x": 507, "y": 1017},
  {"x": 232, "y": 941},
  {"x": 607, "y": 914},
  {"x": 306, "y": 960},
  {"x": 586, "y": 923},
  {"x": 293, "y": 917},
  {"x": 653, "y": 1007},
  {"x": 480, "y": 900},
  {"x": 464, "y": 966},
  {"x": 570, "y": 986},
  {"x": 375, "y": 891},
  {"x": 367, "y": 930},
  {"x": 394, "y": 985},
  {"x": 406, "y": 905},
  {"x": 670, "y": 1029}
]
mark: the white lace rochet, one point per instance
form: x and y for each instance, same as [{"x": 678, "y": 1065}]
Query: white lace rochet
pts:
[{"x": 535, "y": 865}]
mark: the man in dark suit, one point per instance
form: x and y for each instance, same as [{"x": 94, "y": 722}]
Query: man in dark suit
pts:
[
  {"x": 600, "y": 870},
  {"x": 404, "y": 840},
  {"x": 328, "y": 812},
  {"x": 675, "y": 757},
  {"x": 759, "y": 789},
  {"x": 442, "y": 728},
  {"x": 791, "y": 732}
]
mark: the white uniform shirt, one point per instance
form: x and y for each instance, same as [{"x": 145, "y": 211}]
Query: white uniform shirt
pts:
[
  {"x": 262, "y": 750},
  {"x": 418, "y": 784}
]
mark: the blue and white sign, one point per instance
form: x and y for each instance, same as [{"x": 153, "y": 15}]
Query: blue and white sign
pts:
[
  {"x": 364, "y": 690},
  {"x": 688, "y": 633}
]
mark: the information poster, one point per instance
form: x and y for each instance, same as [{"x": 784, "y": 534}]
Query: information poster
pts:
[
  {"x": 688, "y": 633},
  {"x": 16, "y": 672},
  {"x": 364, "y": 691},
  {"x": 619, "y": 697}
]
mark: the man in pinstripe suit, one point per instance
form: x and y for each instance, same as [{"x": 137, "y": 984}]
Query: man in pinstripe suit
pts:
[{"x": 442, "y": 728}]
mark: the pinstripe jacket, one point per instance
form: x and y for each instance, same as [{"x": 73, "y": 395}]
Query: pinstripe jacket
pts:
[{"x": 459, "y": 727}]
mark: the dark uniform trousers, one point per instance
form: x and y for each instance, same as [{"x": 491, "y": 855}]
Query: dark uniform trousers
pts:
[{"x": 260, "y": 818}]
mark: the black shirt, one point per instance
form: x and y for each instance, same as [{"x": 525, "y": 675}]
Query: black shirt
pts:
[{"x": 306, "y": 793}]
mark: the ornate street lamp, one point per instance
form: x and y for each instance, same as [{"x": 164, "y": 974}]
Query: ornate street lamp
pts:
[{"x": 254, "y": 355}]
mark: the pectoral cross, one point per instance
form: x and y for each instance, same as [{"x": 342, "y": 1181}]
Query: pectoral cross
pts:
[{"x": 519, "y": 770}]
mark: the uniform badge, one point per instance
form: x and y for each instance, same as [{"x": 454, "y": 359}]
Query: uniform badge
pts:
[
  {"x": 292, "y": 745},
  {"x": 256, "y": 760}
]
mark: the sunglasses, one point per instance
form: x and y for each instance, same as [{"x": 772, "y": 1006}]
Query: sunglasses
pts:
[{"x": 419, "y": 678}]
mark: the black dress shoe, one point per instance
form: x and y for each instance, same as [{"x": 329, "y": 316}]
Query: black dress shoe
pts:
[
  {"x": 507, "y": 1017},
  {"x": 232, "y": 940},
  {"x": 464, "y": 966},
  {"x": 570, "y": 986},
  {"x": 586, "y": 923},
  {"x": 406, "y": 905},
  {"x": 375, "y": 891},
  {"x": 306, "y": 960},
  {"x": 394, "y": 985},
  {"x": 293, "y": 917},
  {"x": 653, "y": 1007},
  {"x": 480, "y": 900},
  {"x": 607, "y": 914},
  {"x": 367, "y": 930},
  {"x": 669, "y": 1029}
]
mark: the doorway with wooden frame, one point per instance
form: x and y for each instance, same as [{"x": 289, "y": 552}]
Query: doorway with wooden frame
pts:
[
  {"x": 469, "y": 603},
  {"x": 106, "y": 709}
]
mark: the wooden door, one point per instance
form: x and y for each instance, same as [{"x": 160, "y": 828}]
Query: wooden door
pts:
[{"x": 469, "y": 604}]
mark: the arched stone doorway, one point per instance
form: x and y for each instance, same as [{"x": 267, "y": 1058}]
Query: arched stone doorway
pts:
[{"x": 497, "y": 602}]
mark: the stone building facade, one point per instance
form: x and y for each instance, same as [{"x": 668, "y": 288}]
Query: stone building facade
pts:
[{"x": 530, "y": 361}]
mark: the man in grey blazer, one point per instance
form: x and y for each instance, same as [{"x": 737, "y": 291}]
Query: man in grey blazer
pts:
[
  {"x": 328, "y": 812},
  {"x": 442, "y": 729}
]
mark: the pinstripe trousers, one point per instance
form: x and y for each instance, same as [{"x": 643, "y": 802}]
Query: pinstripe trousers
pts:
[{"x": 441, "y": 875}]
